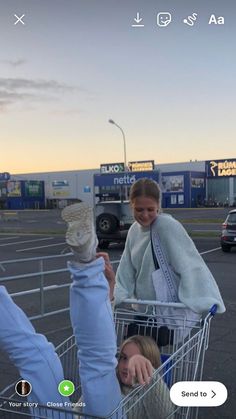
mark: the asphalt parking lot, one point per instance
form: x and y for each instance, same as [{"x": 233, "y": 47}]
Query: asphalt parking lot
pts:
[{"x": 220, "y": 358}]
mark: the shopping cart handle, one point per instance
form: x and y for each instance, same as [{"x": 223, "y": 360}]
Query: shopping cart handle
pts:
[
  {"x": 154, "y": 303},
  {"x": 213, "y": 310}
]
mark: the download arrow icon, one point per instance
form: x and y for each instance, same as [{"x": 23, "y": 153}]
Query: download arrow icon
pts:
[{"x": 138, "y": 19}]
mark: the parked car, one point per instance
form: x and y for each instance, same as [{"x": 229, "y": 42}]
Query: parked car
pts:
[
  {"x": 228, "y": 235},
  {"x": 113, "y": 220}
]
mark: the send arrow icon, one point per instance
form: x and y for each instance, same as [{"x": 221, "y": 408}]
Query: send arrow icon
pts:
[{"x": 214, "y": 394}]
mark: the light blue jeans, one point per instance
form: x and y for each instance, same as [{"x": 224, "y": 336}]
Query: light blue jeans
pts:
[
  {"x": 93, "y": 325},
  {"x": 30, "y": 352}
]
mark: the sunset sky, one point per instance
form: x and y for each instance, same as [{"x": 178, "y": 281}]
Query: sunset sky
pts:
[{"x": 75, "y": 64}]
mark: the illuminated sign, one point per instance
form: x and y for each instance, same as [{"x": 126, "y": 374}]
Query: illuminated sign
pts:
[
  {"x": 221, "y": 168},
  {"x": 140, "y": 166},
  {"x": 112, "y": 167},
  {"x": 122, "y": 179}
]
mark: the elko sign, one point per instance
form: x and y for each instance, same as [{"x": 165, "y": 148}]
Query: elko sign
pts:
[
  {"x": 112, "y": 167},
  {"x": 5, "y": 176}
]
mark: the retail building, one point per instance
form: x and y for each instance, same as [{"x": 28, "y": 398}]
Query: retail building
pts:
[{"x": 190, "y": 184}]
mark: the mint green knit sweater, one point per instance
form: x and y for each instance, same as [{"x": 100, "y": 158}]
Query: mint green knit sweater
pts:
[{"x": 197, "y": 287}]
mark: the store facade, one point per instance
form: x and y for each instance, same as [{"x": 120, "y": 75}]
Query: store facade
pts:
[
  {"x": 221, "y": 182},
  {"x": 184, "y": 189},
  {"x": 22, "y": 194},
  {"x": 184, "y": 185}
]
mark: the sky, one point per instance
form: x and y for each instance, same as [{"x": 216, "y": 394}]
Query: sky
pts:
[{"x": 75, "y": 64}]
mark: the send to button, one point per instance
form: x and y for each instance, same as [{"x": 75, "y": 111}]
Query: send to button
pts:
[{"x": 198, "y": 393}]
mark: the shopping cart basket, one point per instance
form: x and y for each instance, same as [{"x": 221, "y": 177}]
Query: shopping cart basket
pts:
[{"x": 183, "y": 348}]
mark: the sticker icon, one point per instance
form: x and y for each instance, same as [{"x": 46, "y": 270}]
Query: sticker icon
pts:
[
  {"x": 163, "y": 19},
  {"x": 23, "y": 388},
  {"x": 66, "y": 388}
]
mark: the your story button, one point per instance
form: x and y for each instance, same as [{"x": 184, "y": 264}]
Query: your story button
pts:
[{"x": 198, "y": 393}]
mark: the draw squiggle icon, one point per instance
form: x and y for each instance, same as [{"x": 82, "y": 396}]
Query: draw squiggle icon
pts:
[{"x": 190, "y": 20}]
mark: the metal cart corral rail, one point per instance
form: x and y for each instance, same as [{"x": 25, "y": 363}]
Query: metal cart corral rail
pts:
[{"x": 182, "y": 342}]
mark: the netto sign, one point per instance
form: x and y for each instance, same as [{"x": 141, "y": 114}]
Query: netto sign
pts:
[
  {"x": 140, "y": 166},
  {"x": 221, "y": 168},
  {"x": 112, "y": 167},
  {"x": 124, "y": 180}
]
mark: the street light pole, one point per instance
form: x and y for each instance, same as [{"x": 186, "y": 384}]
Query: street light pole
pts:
[{"x": 123, "y": 135}]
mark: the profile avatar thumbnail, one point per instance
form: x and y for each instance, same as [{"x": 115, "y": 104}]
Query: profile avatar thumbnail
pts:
[{"x": 23, "y": 388}]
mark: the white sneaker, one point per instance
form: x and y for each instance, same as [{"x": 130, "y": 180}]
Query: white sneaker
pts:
[{"x": 80, "y": 234}]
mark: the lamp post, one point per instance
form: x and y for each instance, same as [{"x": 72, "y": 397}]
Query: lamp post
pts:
[{"x": 123, "y": 135}]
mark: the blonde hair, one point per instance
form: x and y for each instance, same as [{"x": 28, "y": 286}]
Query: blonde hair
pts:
[
  {"x": 145, "y": 187},
  {"x": 147, "y": 347}
]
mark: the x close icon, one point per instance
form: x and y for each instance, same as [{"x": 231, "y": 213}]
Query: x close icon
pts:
[{"x": 19, "y": 19}]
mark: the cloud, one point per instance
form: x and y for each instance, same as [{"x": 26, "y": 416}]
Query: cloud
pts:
[
  {"x": 17, "y": 91},
  {"x": 69, "y": 112},
  {"x": 34, "y": 85},
  {"x": 14, "y": 63}
]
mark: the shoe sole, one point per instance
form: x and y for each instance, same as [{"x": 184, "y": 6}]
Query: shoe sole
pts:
[{"x": 77, "y": 212}]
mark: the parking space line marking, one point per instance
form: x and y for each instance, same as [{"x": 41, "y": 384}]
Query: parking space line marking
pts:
[
  {"x": 9, "y": 238},
  {"x": 209, "y": 251},
  {"x": 27, "y": 241},
  {"x": 40, "y": 247},
  {"x": 207, "y": 230}
]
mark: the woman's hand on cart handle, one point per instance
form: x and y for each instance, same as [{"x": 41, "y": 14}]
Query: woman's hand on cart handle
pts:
[
  {"x": 140, "y": 369},
  {"x": 109, "y": 272}
]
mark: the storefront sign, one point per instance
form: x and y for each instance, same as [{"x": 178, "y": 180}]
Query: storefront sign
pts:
[
  {"x": 221, "y": 168},
  {"x": 172, "y": 183},
  {"x": 112, "y": 167},
  {"x": 122, "y": 179},
  {"x": 197, "y": 182},
  {"x": 14, "y": 188},
  {"x": 140, "y": 166},
  {"x": 60, "y": 188},
  {"x": 34, "y": 188},
  {"x": 87, "y": 189}
]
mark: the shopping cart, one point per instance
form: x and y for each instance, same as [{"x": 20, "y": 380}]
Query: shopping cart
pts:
[{"x": 182, "y": 342}]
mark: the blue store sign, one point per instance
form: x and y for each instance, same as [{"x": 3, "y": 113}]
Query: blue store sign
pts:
[{"x": 122, "y": 179}]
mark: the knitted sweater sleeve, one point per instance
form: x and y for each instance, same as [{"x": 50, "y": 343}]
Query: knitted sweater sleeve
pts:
[
  {"x": 155, "y": 402},
  {"x": 125, "y": 275},
  {"x": 197, "y": 287}
]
